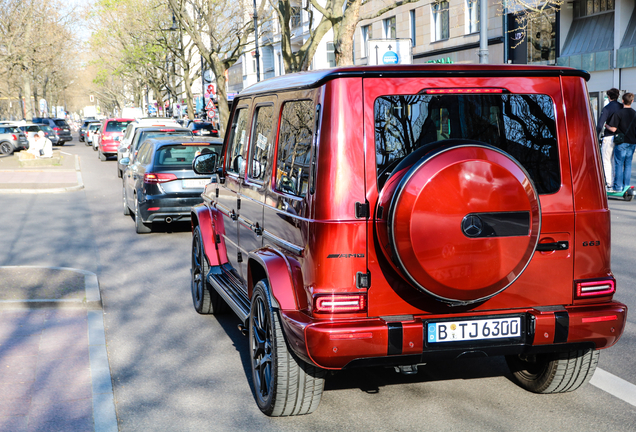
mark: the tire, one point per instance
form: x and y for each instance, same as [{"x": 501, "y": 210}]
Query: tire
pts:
[
  {"x": 123, "y": 197},
  {"x": 204, "y": 297},
  {"x": 283, "y": 384},
  {"x": 140, "y": 227},
  {"x": 554, "y": 373},
  {"x": 6, "y": 148},
  {"x": 102, "y": 156},
  {"x": 628, "y": 197}
]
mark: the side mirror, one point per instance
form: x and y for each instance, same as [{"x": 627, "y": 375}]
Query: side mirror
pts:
[
  {"x": 205, "y": 163},
  {"x": 124, "y": 161}
]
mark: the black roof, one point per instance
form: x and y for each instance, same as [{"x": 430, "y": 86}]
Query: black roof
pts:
[{"x": 313, "y": 79}]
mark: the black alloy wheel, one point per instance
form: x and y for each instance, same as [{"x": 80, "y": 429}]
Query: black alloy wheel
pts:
[
  {"x": 284, "y": 385},
  {"x": 123, "y": 196},
  {"x": 140, "y": 226},
  {"x": 6, "y": 148},
  {"x": 204, "y": 297}
]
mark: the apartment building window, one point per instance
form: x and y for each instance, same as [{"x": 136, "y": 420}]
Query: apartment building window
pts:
[
  {"x": 440, "y": 20},
  {"x": 472, "y": 16},
  {"x": 589, "y": 7},
  {"x": 389, "y": 28},
  {"x": 331, "y": 55},
  {"x": 364, "y": 30},
  {"x": 296, "y": 16},
  {"x": 412, "y": 21}
]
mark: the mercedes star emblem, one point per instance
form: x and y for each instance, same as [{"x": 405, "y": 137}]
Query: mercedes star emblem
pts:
[{"x": 472, "y": 225}]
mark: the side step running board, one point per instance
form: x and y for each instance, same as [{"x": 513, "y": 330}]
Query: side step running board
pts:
[{"x": 231, "y": 291}]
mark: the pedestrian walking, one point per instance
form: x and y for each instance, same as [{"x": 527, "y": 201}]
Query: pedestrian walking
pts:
[
  {"x": 623, "y": 124},
  {"x": 607, "y": 145}
]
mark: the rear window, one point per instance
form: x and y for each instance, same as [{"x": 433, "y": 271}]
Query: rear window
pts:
[
  {"x": 197, "y": 126},
  {"x": 521, "y": 125},
  {"x": 180, "y": 156},
  {"x": 9, "y": 129},
  {"x": 94, "y": 126},
  {"x": 116, "y": 126},
  {"x": 61, "y": 123}
]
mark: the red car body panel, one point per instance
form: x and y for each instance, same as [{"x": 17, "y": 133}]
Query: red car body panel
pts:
[
  {"x": 317, "y": 244},
  {"x": 109, "y": 141}
]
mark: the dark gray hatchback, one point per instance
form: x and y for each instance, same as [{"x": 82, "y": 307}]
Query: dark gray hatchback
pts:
[{"x": 159, "y": 184}]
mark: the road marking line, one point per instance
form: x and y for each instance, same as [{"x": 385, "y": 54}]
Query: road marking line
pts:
[
  {"x": 70, "y": 154},
  {"x": 615, "y": 386}
]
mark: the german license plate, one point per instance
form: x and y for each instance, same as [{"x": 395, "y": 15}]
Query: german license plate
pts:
[
  {"x": 194, "y": 183},
  {"x": 474, "y": 330}
]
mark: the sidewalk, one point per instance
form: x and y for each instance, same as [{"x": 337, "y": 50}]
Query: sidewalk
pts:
[
  {"x": 65, "y": 177},
  {"x": 54, "y": 372}
]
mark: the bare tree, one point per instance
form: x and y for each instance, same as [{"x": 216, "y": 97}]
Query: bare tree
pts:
[{"x": 221, "y": 31}]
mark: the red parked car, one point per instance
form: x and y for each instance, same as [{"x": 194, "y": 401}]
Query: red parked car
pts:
[
  {"x": 397, "y": 215},
  {"x": 112, "y": 131}
]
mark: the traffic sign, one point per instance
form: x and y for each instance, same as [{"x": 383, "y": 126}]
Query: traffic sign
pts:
[
  {"x": 210, "y": 89},
  {"x": 210, "y": 105}
]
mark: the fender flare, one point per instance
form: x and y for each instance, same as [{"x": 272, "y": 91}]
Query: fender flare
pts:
[
  {"x": 200, "y": 215},
  {"x": 284, "y": 276}
]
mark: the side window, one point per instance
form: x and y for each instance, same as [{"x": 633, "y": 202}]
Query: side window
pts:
[
  {"x": 235, "y": 157},
  {"x": 294, "y": 147},
  {"x": 261, "y": 142},
  {"x": 144, "y": 151}
]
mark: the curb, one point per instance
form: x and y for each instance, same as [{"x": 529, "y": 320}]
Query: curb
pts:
[
  {"x": 78, "y": 186},
  {"x": 91, "y": 301},
  {"x": 104, "y": 414}
]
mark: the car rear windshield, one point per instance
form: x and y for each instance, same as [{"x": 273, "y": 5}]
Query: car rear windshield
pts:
[
  {"x": 116, "y": 126},
  {"x": 521, "y": 125},
  {"x": 180, "y": 156},
  {"x": 94, "y": 126},
  {"x": 61, "y": 123},
  {"x": 197, "y": 126}
]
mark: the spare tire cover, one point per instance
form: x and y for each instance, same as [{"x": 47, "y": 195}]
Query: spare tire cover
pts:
[{"x": 462, "y": 222}]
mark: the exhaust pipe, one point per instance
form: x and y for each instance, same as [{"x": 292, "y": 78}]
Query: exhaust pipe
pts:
[{"x": 168, "y": 219}]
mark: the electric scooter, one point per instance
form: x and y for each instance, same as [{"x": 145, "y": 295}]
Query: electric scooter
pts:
[{"x": 627, "y": 193}]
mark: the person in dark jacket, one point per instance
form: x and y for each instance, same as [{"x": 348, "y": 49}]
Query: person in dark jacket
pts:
[
  {"x": 623, "y": 121},
  {"x": 607, "y": 145}
]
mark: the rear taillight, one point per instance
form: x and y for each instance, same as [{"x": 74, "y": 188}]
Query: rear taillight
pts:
[
  {"x": 595, "y": 288},
  {"x": 340, "y": 303},
  {"x": 159, "y": 177},
  {"x": 57, "y": 129},
  {"x": 14, "y": 138}
]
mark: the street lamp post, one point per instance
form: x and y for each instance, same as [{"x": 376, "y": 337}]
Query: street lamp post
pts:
[{"x": 483, "y": 31}]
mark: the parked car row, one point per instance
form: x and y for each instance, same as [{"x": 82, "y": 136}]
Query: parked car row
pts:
[
  {"x": 154, "y": 160},
  {"x": 14, "y": 135}
]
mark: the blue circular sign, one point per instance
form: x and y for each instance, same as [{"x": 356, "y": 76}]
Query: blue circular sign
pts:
[{"x": 390, "y": 57}]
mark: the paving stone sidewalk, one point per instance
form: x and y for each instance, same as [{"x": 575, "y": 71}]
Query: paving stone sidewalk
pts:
[
  {"x": 64, "y": 177},
  {"x": 54, "y": 373}
]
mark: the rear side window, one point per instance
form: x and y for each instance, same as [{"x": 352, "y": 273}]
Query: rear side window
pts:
[
  {"x": 261, "y": 142},
  {"x": 521, "y": 125},
  {"x": 116, "y": 126},
  {"x": 179, "y": 156},
  {"x": 61, "y": 123},
  {"x": 235, "y": 159},
  {"x": 294, "y": 147}
]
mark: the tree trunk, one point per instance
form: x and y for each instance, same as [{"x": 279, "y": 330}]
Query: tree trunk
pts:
[
  {"x": 343, "y": 33},
  {"x": 219, "y": 68},
  {"x": 28, "y": 98}
]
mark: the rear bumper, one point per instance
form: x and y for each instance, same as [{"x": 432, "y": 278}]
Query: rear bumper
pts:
[
  {"x": 338, "y": 344},
  {"x": 178, "y": 209}
]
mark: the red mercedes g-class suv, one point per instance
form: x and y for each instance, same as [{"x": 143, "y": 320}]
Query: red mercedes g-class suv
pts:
[{"x": 397, "y": 215}]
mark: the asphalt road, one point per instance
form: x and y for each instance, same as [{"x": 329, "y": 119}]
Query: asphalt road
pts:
[{"x": 175, "y": 370}]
